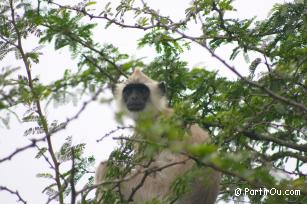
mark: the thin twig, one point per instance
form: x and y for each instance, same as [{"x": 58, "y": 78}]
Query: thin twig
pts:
[
  {"x": 114, "y": 131},
  {"x": 72, "y": 177},
  {"x": 20, "y": 199},
  {"x": 21, "y": 149},
  {"x": 152, "y": 170}
]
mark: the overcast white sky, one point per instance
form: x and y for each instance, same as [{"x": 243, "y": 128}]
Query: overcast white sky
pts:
[{"x": 20, "y": 172}]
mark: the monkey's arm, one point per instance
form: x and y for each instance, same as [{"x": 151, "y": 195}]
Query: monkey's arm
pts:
[
  {"x": 100, "y": 172},
  {"x": 99, "y": 178},
  {"x": 205, "y": 188}
]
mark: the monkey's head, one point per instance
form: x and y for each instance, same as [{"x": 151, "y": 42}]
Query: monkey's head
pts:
[{"x": 140, "y": 94}]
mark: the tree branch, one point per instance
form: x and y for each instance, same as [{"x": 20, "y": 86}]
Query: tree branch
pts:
[
  {"x": 16, "y": 193},
  {"x": 42, "y": 118}
]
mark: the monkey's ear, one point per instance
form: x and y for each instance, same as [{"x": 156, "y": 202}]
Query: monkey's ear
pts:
[{"x": 162, "y": 87}]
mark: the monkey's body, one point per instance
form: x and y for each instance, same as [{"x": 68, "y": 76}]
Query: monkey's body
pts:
[
  {"x": 202, "y": 189},
  {"x": 158, "y": 184}
]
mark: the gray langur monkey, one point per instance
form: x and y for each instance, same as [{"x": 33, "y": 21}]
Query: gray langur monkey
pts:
[{"x": 139, "y": 94}]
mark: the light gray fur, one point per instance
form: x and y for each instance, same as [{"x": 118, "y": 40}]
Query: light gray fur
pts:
[{"x": 204, "y": 188}]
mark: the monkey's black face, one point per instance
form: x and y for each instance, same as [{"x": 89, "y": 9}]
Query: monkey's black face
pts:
[{"x": 136, "y": 96}]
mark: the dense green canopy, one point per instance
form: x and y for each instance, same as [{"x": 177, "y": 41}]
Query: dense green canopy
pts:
[{"x": 257, "y": 121}]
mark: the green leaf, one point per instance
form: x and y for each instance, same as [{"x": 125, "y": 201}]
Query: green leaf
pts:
[{"x": 90, "y": 3}]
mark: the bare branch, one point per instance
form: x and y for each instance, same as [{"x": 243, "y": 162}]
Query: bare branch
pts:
[
  {"x": 152, "y": 170},
  {"x": 16, "y": 193},
  {"x": 149, "y": 170},
  {"x": 21, "y": 149},
  {"x": 76, "y": 116},
  {"x": 255, "y": 136},
  {"x": 114, "y": 131}
]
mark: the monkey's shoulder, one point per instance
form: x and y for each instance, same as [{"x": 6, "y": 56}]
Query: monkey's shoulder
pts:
[{"x": 198, "y": 134}]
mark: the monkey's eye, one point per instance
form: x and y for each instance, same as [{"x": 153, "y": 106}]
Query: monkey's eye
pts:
[
  {"x": 138, "y": 88},
  {"x": 143, "y": 90},
  {"x": 127, "y": 91}
]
